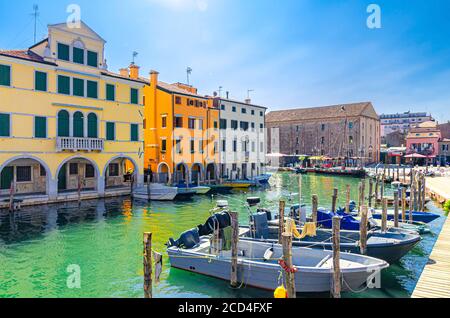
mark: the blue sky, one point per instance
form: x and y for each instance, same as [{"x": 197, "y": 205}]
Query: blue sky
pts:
[{"x": 292, "y": 53}]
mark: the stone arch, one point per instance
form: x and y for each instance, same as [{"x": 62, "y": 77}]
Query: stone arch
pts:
[
  {"x": 122, "y": 178},
  {"x": 197, "y": 172},
  {"x": 164, "y": 173},
  {"x": 67, "y": 184},
  {"x": 181, "y": 173},
  {"x": 211, "y": 172},
  {"x": 48, "y": 172}
]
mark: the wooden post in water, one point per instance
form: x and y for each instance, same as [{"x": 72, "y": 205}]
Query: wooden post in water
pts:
[
  {"x": 404, "y": 204},
  {"x": 370, "y": 192},
  {"x": 336, "y": 257},
  {"x": 363, "y": 192},
  {"x": 377, "y": 182},
  {"x": 363, "y": 231},
  {"x": 419, "y": 192},
  {"x": 148, "y": 183},
  {"x": 383, "y": 180},
  {"x": 299, "y": 194},
  {"x": 315, "y": 206},
  {"x": 384, "y": 216},
  {"x": 396, "y": 208},
  {"x": 424, "y": 193},
  {"x": 287, "y": 258},
  {"x": 334, "y": 200},
  {"x": 360, "y": 203},
  {"x": 347, "y": 199},
  {"x": 404, "y": 175},
  {"x": 148, "y": 290},
  {"x": 234, "y": 249},
  {"x": 281, "y": 220},
  {"x": 12, "y": 189},
  {"x": 79, "y": 189}
]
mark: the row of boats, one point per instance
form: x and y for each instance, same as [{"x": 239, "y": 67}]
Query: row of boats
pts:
[
  {"x": 183, "y": 191},
  {"x": 259, "y": 251}
]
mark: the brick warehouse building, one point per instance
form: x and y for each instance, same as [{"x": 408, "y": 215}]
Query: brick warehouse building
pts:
[{"x": 347, "y": 130}]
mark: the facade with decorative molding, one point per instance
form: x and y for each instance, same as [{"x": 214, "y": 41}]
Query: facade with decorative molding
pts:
[{"x": 67, "y": 124}]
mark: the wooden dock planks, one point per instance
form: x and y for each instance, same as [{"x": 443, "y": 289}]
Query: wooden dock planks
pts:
[{"x": 435, "y": 279}]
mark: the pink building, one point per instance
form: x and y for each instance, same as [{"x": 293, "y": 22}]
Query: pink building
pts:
[{"x": 424, "y": 139}]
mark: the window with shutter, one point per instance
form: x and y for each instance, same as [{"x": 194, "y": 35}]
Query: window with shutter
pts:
[
  {"x": 78, "y": 87},
  {"x": 92, "y": 89},
  {"x": 78, "y": 55},
  {"x": 23, "y": 173},
  {"x": 92, "y": 59},
  {"x": 92, "y": 126},
  {"x": 110, "y": 92},
  {"x": 40, "y": 81},
  {"x": 78, "y": 125},
  {"x": 110, "y": 131},
  {"x": 5, "y": 75},
  {"x": 134, "y": 96},
  {"x": 63, "y": 85},
  {"x": 89, "y": 171},
  {"x": 40, "y": 127},
  {"x": 134, "y": 132},
  {"x": 63, "y": 124},
  {"x": 5, "y": 125},
  {"x": 63, "y": 52}
]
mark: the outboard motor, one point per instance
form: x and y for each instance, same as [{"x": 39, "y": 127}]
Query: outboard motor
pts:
[
  {"x": 253, "y": 201},
  {"x": 299, "y": 213},
  {"x": 222, "y": 219},
  {"x": 187, "y": 240},
  {"x": 260, "y": 225},
  {"x": 268, "y": 213}
]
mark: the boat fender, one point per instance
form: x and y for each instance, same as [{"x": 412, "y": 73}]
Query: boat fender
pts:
[
  {"x": 280, "y": 292},
  {"x": 268, "y": 254}
]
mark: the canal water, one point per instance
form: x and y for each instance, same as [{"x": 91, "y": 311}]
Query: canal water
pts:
[{"x": 104, "y": 238}]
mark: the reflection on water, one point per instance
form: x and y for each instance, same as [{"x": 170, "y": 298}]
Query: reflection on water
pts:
[{"x": 104, "y": 237}]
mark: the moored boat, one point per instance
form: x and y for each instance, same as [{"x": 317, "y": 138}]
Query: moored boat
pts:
[
  {"x": 157, "y": 192},
  {"x": 314, "y": 267},
  {"x": 238, "y": 184}
]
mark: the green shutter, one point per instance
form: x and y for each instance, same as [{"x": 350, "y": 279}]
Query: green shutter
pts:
[
  {"x": 78, "y": 125},
  {"x": 4, "y": 125},
  {"x": 110, "y": 92},
  {"x": 92, "y": 126},
  {"x": 92, "y": 59},
  {"x": 78, "y": 87},
  {"x": 110, "y": 131},
  {"x": 92, "y": 89},
  {"x": 63, "y": 124},
  {"x": 40, "y": 81},
  {"x": 134, "y": 132},
  {"x": 6, "y": 178},
  {"x": 134, "y": 96},
  {"x": 78, "y": 55},
  {"x": 5, "y": 75},
  {"x": 63, "y": 52},
  {"x": 40, "y": 127},
  {"x": 63, "y": 85}
]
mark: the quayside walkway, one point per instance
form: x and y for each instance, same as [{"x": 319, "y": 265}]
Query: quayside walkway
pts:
[{"x": 435, "y": 279}]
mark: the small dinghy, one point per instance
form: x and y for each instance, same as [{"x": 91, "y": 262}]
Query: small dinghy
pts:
[
  {"x": 262, "y": 179},
  {"x": 424, "y": 217},
  {"x": 314, "y": 267},
  {"x": 193, "y": 187},
  {"x": 158, "y": 192}
]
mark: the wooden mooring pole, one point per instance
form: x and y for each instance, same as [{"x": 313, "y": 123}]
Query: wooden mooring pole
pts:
[
  {"x": 281, "y": 220},
  {"x": 377, "y": 182},
  {"x": 287, "y": 257},
  {"x": 404, "y": 204},
  {"x": 315, "y": 206},
  {"x": 384, "y": 216},
  {"x": 396, "y": 208},
  {"x": 234, "y": 249},
  {"x": 149, "y": 176},
  {"x": 148, "y": 289},
  {"x": 347, "y": 199},
  {"x": 360, "y": 202},
  {"x": 370, "y": 192},
  {"x": 336, "y": 257},
  {"x": 11, "y": 196},
  {"x": 334, "y": 200},
  {"x": 363, "y": 231}
]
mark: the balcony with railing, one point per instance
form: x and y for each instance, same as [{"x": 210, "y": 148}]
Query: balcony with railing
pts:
[{"x": 79, "y": 144}]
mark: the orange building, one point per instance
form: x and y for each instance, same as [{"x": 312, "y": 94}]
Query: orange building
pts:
[{"x": 181, "y": 133}]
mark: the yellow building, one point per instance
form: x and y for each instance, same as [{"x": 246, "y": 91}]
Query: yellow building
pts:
[
  {"x": 66, "y": 122},
  {"x": 181, "y": 133}
]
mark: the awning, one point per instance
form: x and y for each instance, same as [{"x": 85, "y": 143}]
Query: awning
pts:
[{"x": 415, "y": 155}]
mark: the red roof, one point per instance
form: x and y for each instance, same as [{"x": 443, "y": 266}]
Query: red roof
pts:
[{"x": 25, "y": 55}]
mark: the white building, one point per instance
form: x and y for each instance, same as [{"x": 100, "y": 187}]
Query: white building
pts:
[
  {"x": 242, "y": 139},
  {"x": 402, "y": 122}
]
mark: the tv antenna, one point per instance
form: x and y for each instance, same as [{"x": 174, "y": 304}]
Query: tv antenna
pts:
[
  {"x": 135, "y": 54},
  {"x": 248, "y": 93},
  {"x": 188, "y": 73},
  {"x": 35, "y": 14}
]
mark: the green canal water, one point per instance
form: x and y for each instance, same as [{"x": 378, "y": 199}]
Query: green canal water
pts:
[{"x": 104, "y": 238}]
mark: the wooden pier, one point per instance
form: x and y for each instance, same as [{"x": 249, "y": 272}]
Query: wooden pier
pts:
[{"x": 435, "y": 278}]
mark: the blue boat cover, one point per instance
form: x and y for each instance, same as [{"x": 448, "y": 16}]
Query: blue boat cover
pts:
[{"x": 348, "y": 222}]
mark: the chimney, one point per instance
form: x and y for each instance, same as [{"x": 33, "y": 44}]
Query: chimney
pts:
[
  {"x": 124, "y": 72},
  {"x": 228, "y": 95},
  {"x": 154, "y": 78},
  {"x": 134, "y": 71},
  {"x": 248, "y": 101}
]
